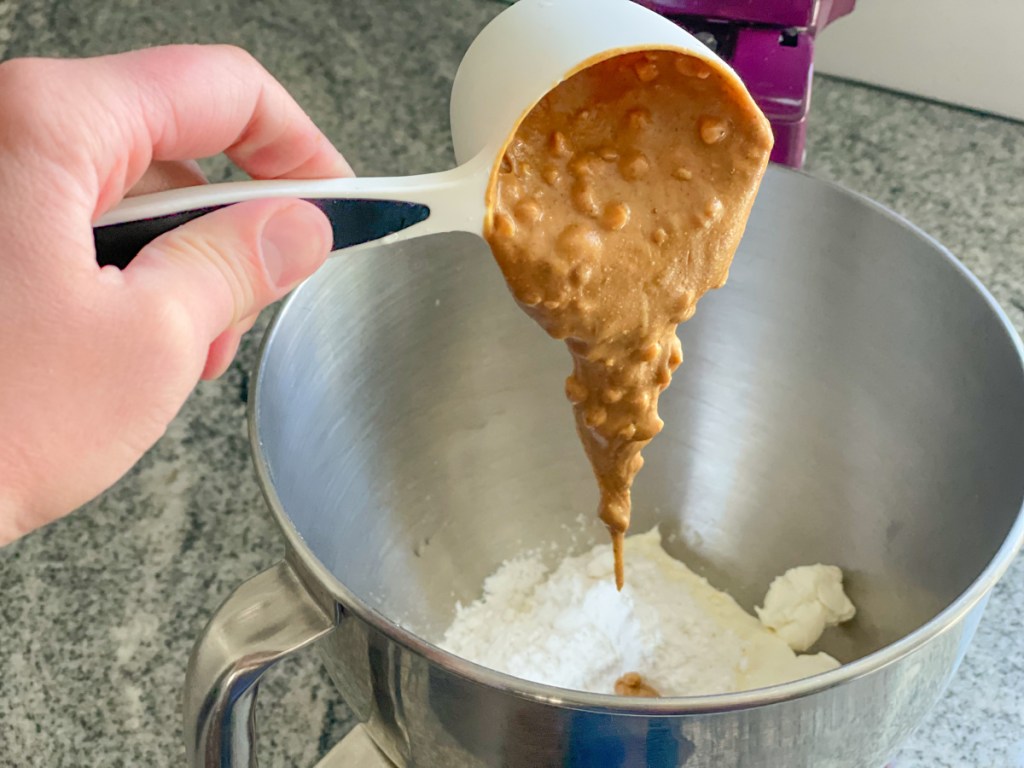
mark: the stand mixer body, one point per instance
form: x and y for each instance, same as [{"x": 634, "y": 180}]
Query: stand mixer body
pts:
[{"x": 770, "y": 44}]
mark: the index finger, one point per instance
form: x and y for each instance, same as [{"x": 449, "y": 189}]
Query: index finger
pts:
[
  {"x": 119, "y": 113},
  {"x": 201, "y": 100}
]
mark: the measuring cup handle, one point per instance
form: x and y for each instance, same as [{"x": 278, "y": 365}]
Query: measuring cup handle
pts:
[
  {"x": 361, "y": 210},
  {"x": 353, "y": 222},
  {"x": 265, "y": 619}
]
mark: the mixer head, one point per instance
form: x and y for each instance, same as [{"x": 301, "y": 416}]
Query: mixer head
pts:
[{"x": 770, "y": 44}]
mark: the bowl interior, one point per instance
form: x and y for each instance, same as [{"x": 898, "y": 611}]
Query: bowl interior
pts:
[{"x": 852, "y": 397}]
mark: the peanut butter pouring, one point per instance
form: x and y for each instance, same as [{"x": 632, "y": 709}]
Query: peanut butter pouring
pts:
[
  {"x": 632, "y": 684},
  {"x": 618, "y": 203}
]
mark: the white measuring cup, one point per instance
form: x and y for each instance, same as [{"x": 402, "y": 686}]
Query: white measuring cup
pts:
[{"x": 520, "y": 56}]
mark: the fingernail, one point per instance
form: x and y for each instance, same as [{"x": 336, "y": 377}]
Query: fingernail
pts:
[{"x": 295, "y": 241}]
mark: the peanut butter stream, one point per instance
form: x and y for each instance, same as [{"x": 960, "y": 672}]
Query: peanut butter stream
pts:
[
  {"x": 618, "y": 203},
  {"x": 632, "y": 684}
]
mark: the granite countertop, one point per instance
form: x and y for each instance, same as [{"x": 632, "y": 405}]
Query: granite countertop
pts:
[{"x": 98, "y": 612}]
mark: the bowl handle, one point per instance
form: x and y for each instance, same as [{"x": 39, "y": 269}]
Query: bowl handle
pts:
[{"x": 265, "y": 619}]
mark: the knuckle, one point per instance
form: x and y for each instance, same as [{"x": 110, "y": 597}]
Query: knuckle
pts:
[
  {"x": 21, "y": 74},
  {"x": 173, "y": 336},
  {"x": 25, "y": 89},
  {"x": 238, "y": 55},
  {"x": 37, "y": 110},
  {"x": 306, "y": 146}
]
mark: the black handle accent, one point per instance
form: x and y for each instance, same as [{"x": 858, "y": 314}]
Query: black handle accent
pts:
[{"x": 353, "y": 222}]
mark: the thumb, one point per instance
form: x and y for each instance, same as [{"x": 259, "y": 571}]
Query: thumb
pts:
[{"x": 228, "y": 265}]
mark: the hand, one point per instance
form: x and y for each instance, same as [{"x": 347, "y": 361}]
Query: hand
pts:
[{"x": 94, "y": 363}]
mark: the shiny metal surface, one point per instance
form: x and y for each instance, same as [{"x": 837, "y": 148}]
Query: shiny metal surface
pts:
[
  {"x": 853, "y": 396},
  {"x": 356, "y": 749},
  {"x": 266, "y": 618}
]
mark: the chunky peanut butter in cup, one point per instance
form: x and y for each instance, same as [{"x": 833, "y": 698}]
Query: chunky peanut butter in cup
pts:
[{"x": 618, "y": 203}]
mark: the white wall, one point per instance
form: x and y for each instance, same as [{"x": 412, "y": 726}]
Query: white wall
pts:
[{"x": 966, "y": 52}]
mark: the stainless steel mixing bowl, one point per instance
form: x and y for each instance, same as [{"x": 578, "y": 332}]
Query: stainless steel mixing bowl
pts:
[{"x": 852, "y": 396}]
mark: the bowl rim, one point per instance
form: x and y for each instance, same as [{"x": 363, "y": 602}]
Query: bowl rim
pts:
[{"x": 351, "y": 604}]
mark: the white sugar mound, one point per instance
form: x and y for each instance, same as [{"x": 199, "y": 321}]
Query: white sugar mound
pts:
[{"x": 571, "y": 628}]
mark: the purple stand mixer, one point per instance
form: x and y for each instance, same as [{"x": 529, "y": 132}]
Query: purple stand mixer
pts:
[{"x": 770, "y": 44}]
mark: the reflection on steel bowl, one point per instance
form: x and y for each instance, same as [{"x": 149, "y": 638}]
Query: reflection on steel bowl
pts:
[{"x": 853, "y": 397}]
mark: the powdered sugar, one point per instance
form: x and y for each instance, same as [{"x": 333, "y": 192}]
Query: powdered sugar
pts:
[{"x": 572, "y": 629}]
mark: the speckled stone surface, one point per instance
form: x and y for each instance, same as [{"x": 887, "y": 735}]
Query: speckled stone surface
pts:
[{"x": 98, "y": 612}]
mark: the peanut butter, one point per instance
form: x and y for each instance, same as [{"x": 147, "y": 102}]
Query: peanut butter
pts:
[
  {"x": 632, "y": 684},
  {"x": 618, "y": 203}
]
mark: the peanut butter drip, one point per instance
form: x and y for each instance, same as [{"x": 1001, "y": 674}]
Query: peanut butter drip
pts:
[
  {"x": 632, "y": 684},
  {"x": 618, "y": 203}
]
